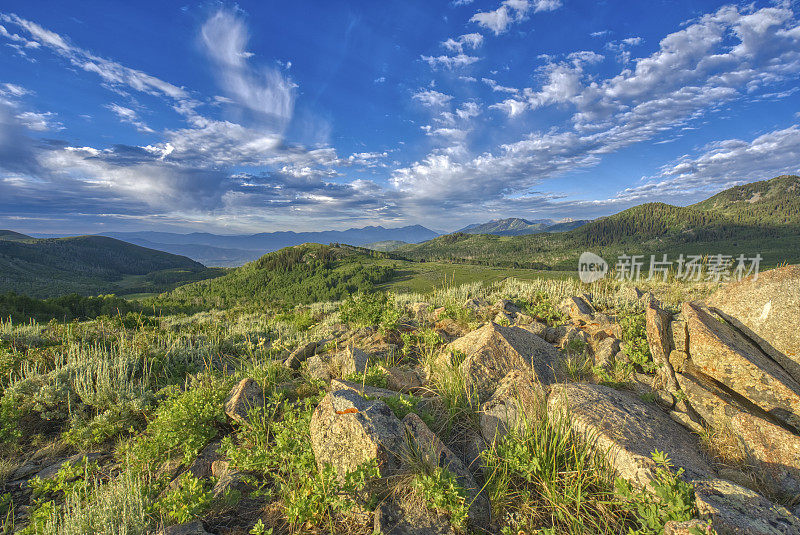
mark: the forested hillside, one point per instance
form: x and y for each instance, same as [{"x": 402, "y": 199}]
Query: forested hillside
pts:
[
  {"x": 90, "y": 265},
  {"x": 300, "y": 274}
]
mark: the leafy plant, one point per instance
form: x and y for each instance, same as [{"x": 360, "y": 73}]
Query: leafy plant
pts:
[
  {"x": 188, "y": 500},
  {"x": 441, "y": 492},
  {"x": 634, "y": 337},
  {"x": 671, "y": 498}
]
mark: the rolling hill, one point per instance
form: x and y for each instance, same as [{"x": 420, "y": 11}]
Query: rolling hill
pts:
[
  {"x": 759, "y": 218},
  {"x": 89, "y": 265},
  {"x": 299, "y": 274},
  {"x": 385, "y": 245}
]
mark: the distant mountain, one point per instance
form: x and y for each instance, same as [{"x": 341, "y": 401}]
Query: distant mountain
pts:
[
  {"x": 233, "y": 250},
  {"x": 89, "y": 265},
  {"x": 515, "y": 226},
  {"x": 385, "y": 246}
]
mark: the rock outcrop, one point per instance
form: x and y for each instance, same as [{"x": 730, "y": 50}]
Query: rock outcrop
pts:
[
  {"x": 519, "y": 396},
  {"x": 493, "y": 351},
  {"x": 766, "y": 309},
  {"x": 246, "y": 395},
  {"x": 348, "y": 431},
  {"x": 629, "y": 429},
  {"x": 723, "y": 354}
]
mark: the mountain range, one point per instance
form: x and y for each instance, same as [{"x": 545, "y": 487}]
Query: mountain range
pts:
[
  {"x": 515, "y": 226},
  {"x": 235, "y": 250}
]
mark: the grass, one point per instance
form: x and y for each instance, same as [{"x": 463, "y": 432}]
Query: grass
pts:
[{"x": 150, "y": 392}]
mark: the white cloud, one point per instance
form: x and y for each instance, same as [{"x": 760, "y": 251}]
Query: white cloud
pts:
[
  {"x": 499, "y": 88},
  {"x": 129, "y": 116},
  {"x": 379, "y": 80},
  {"x": 723, "y": 164},
  {"x": 449, "y": 62},
  {"x": 13, "y": 90},
  {"x": 39, "y": 122},
  {"x": 468, "y": 40},
  {"x": 510, "y": 12},
  {"x": 431, "y": 98},
  {"x": 265, "y": 92},
  {"x": 732, "y": 53}
]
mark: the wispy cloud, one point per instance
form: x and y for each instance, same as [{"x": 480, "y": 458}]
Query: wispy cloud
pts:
[
  {"x": 129, "y": 116},
  {"x": 511, "y": 12}
]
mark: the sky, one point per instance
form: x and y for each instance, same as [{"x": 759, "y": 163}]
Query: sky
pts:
[{"x": 310, "y": 115}]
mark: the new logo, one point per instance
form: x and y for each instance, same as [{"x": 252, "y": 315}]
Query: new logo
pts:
[{"x": 591, "y": 267}]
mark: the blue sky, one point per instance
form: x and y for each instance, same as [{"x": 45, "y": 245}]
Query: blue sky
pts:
[{"x": 264, "y": 116}]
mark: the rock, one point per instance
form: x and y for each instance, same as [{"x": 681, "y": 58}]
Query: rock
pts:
[
  {"x": 201, "y": 466},
  {"x": 230, "y": 481},
  {"x": 659, "y": 340},
  {"x": 605, "y": 351},
  {"x": 423, "y": 442},
  {"x": 688, "y": 527},
  {"x": 50, "y": 471},
  {"x": 348, "y": 431},
  {"x": 517, "y": 396},
  {"x": 449, "y": 329},
  {"x": 577, "y": 309},
  {"x": 687, "y": 421},
  {"x": 771, "y": 450},
  {"x": 420, "y": 310},
  {"x": 319, "y": 368},
  {"x": 402, "y": 379},
  {"x": 192, "y": 528},
  {"x": 537, "y": 327},
  {"x": 629, "y": 429},
  {"x": 246, "y": 395},
  {"x": 572, "y": 334},
  {"x": 393, "y": 517},
  {"x": 767, "y": 309},
  {"x": 732, "y": 509},
  {"x": 680, "y": 337},
  {"x": 300, "y": 354},
  {"x": 522, "y": 319},
  {"x": 503, "y": 318},
  {"x": 350, "y": 361},
  {"x": 492, "y": 351},
  {"x": 726, "y": 356},
  {"x": 476, "y": 304},
  {"x": 504, "y": 305}
]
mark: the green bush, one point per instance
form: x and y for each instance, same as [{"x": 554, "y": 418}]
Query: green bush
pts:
[
  {"x": 634, "y": 337},
  {"x": 184, "y": 423},
  {"x": 671, "y": 498},
  {"x": 188, "y": 500},
  {"x": 441, "y": 493}
]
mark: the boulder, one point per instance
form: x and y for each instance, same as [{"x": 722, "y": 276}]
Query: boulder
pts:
[
  {"x": 735, "y": 510},
  {"x": 605, "y": 351},
  {"x": 402, "y": 379},
  {"x": 348, "y": 430},
  {"x": 723, "y": 354},
  {"x": 420, "y": 310},
  {"x": 518, "y": 396},
  {"x": 680, "y": 337},
  {"x": 504, "y": 305},
  {"x": 319, "y": 368},
  {"x": 767, "y": 309},
  {"x": 246, "y": 395},
  {"x": 300, "y": 355},
  {"x": 396, "y": 517},
  {"x": 503, "y": 318},
  {"x": 628, "y": 429},
  {"x": 522, "y": 319},
  {"x": 424, "y": 443},
  {"x": 771, "y": 450},
  {"x": 201, "y": 466},
  {"x": 492, "y": 351},
  {"x": 350, "y": 361},
  {"x": 577, "y": 309}
]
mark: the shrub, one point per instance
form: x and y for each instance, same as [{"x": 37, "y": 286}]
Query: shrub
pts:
[
  {"x": 634, "y": 336},
  {"x": 441, "y": 493},
  {"x": 188, "y": 500},
  {"x": 671, "y": 498},
  {"x": 369, "y": 309},
  {"x": 184, "y": 423}
]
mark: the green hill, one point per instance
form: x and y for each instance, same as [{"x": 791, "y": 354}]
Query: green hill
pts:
[
  {"x": 515, "y": 226},
  {"x": 300, "y": 274},
  {"x": 10, "y": 235},
  {"x": 89, "y": 265},
  {"x": 774, "y": 202},
  {"x": 760, "y": 218}
]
